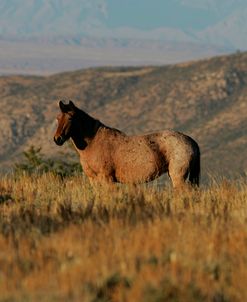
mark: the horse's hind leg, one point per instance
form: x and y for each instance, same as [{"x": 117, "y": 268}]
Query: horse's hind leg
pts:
[
  {"x": 178, "y": 177},
  {"x": 178, "y": 182}
]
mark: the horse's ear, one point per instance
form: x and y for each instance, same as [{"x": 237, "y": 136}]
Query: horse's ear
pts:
[
  {"x": 62, "y": 106},
  {"x": 72, "y": 106}
]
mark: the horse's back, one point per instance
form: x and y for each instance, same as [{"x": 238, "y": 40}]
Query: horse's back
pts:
[{"x": 160, "y": 149}]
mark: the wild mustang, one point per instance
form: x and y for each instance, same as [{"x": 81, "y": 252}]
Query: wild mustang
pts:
[{"x": 108, "y": 155}]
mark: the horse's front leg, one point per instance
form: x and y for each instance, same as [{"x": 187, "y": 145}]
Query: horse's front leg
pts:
[{"x": 102, "y": 181}]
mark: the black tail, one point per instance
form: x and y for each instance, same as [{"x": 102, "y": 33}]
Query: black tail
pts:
[{"x": 195, "y": 168}]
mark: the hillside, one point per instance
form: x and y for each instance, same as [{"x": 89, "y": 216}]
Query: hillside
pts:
[{"x": 205, "y": 99}]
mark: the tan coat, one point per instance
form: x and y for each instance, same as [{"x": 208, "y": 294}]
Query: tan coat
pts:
[{"x": 109, "y": 155}]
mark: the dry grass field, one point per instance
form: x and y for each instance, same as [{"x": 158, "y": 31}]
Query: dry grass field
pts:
[{"x": 61, "y": 240}]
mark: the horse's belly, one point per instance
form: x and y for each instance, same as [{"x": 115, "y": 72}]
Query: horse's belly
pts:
[{"x": 137, "y": 171}]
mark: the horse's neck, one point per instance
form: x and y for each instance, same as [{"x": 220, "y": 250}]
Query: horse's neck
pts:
[{"x": 86, "y": 131}]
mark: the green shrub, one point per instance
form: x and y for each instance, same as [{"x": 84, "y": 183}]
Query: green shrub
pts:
[{"x": 35, "y": 162}]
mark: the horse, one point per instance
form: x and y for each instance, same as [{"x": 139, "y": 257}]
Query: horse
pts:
[{"x": 108, "y": 155}]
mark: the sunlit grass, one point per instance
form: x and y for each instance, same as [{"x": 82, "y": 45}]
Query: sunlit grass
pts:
[{"x": 62, "y": 240}]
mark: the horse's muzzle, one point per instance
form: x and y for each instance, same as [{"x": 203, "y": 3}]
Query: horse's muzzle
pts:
[{"x": 59, "y": 140}]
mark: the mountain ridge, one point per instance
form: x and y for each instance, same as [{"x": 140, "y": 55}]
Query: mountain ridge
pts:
[{"x": 205, "y": 99}]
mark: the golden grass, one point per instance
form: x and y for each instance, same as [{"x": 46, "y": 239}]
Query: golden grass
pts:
[{"x": 64, "y": 241}]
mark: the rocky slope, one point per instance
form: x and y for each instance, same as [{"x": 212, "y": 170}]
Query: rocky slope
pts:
[{"x": 205, "y": 99}]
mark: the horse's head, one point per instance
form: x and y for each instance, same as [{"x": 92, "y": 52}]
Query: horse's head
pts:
[{"x": 65, "y": 122}]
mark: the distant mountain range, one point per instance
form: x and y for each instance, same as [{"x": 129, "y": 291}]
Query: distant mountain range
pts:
[{"x": 222, "y": 22}]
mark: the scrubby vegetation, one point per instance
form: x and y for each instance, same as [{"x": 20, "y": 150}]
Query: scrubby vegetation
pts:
[
  {"x": 34, "y": 162},
  {"x": 62, "y": 240}
]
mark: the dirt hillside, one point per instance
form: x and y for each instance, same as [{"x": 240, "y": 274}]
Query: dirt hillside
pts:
[{"x": 205, "y": 99}]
